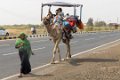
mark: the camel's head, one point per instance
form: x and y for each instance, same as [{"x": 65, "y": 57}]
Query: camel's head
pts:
[
  {"x": 48, "y": 18},
  {"x": 46, "y": 21}
]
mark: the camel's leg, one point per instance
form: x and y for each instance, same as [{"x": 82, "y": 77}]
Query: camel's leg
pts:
[
  {"x": 58, "y": 31},
  {"x": 58, "y": 50},
  {"x": 69, "y": 50},
  {"x": 55, "y": 49},
  {"x": 54, "y": 52},
  {"x": 68, "y": 54},
  {"x": 56, "y": 40}
]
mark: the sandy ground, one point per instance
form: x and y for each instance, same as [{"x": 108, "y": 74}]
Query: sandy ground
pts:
[
  {"x": 16, "y": 31},
  {"x": 100, "y": 64}
]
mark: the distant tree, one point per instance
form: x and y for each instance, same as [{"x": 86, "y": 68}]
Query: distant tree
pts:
[
  {"x": 100, "y": 23},
  {"x": 90, "y": 22}
]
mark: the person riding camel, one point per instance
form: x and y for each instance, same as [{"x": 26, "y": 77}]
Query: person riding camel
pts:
[{"x": 58, "y": 19}]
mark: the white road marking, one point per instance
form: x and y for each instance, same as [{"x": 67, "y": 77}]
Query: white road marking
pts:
[
  {"x": 10, "y": 53},
  {"x": 7, "y": 40},
  {"x": 5, "y": 45},
  {"x": 39, "y": 48},
  {"x": 17, "y": 52},
  {"x": 90, "y": 39},
  {"x": 6, "y": 78}
]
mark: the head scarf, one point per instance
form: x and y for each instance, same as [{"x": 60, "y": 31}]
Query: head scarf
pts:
[
  {"x": 26, "y": 43},
  {"x": 22, "y": 33}
]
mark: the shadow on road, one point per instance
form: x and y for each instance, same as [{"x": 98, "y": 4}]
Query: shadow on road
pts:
[
  {"x": 36, "y": 75},
  {"x": 77, "y": 61}
]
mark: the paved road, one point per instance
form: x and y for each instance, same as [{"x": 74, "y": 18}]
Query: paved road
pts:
[{"x": 42, "y": 47}]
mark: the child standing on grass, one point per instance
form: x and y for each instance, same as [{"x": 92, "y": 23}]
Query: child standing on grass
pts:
[{"x": 24, "y": 48}]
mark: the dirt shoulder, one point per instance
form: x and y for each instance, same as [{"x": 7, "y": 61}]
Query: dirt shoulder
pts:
[{"x": 100, "y": 64}]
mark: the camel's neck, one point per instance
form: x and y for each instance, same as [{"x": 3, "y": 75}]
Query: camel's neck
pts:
[
  {"x": 49, "y": 29},
  {"x": 47, "y": 24}
]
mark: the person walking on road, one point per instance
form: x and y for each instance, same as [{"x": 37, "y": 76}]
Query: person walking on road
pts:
[{"x": 24, "y": 48}]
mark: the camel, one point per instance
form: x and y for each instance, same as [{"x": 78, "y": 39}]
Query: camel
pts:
[{"x": 56, "y": 35}]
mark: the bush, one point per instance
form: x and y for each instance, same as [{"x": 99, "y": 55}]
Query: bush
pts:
[{"x": 1, "y": 28}]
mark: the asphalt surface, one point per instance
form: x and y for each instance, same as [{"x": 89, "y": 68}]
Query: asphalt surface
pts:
[{"x": 42, "y": 47}]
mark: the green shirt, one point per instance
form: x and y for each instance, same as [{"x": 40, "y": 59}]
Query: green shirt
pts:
[{"x": 26, "y": 45}]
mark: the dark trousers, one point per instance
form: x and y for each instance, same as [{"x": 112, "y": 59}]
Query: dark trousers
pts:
[{"x": 25, "y": 63}]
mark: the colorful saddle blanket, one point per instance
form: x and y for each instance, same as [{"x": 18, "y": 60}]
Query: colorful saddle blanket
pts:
[{"x": 70, "y": 23}]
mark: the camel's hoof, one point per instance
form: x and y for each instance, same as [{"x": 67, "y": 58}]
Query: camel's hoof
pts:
[
  {"x": 59, "y": 61},
  {"x": 65, "y": 59},
  {"x": 68, "y": 58}
]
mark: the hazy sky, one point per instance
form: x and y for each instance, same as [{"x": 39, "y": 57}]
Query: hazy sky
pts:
[{"x": 29, "y": 11}]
